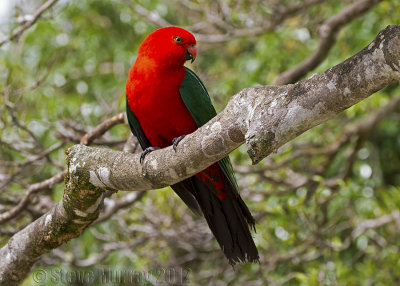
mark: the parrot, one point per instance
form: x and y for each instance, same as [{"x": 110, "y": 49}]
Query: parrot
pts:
[{"x": 165, "y": 101}]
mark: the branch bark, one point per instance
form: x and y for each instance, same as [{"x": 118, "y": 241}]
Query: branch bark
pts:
[{"x": 264, "y": 117}]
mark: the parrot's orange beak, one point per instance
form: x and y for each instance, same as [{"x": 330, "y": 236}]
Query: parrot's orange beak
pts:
[{"x": 191, "y": 53}]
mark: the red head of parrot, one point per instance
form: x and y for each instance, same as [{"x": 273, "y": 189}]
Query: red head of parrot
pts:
[{"x": 170, "y": 46}]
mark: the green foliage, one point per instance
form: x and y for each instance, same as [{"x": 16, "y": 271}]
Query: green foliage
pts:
[{"x": 67, "y": 74}]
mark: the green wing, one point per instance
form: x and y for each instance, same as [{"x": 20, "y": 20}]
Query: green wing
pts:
[
  {"x": 183, "y": 188},
  {"x": 136, "y": 129},
  {"x": 198, "y": 102}
]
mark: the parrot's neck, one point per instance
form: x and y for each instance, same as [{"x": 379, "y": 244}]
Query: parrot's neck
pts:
[
  {"x": 159, "y": 66},
  {"x": 148, "y": 78}
]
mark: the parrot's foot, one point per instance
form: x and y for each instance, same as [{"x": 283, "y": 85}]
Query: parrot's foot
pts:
[
  {"x": 176, "y": 141},
  {"x": 147, "y": 151}
]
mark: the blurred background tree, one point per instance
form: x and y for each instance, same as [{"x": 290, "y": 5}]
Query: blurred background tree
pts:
[{"x": 326, "y": 204}]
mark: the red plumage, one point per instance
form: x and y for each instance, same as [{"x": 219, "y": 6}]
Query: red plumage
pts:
[
  {"x": 153, "y": 88},
  {"x": 153, "y": 96}
]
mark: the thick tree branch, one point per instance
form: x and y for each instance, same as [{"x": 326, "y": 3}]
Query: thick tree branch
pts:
[
  {"x": 360, "y": 129},
  {"x": 87, "y": 139},
  {"x": 64, "y": 221},
  {"x": 264, "y": 117}
]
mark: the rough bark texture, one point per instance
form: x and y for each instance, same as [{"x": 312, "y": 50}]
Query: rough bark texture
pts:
[
  {"x": 263, "y": 117},
  {"x": 66, "y": 220},
  {"x": 282, "y": 113}
]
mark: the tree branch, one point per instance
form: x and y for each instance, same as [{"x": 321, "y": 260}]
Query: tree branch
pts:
[
  {"x": 18, "y": 31},
  {"x": 328, "y": 32},
  {"x": 33, "y": 189},
  {"x": 87, "y": 139},
  {"x": 264, "y": 117},
  {"x": 102, "y": 128}
]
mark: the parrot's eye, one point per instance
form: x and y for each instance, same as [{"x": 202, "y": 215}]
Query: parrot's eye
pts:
[{"x": 178, "y": 39}]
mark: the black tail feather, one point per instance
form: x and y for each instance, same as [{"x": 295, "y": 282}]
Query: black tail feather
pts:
[
  {"x": 230, "y": 221},
  {"x": 184, "y": 190}
]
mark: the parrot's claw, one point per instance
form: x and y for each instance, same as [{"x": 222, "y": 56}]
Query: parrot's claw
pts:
[
  {"x": 147, "y": 151},
  {"x": 176, "y": 141}
]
